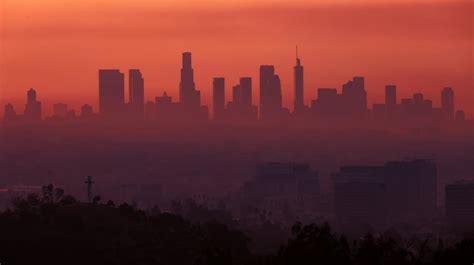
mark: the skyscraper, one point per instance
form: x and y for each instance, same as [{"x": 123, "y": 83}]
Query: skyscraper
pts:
[
  {"x": 33, "y": 106},
  {"x": 136, "y": 92},
  {"x": 237, "y": 95},
  {"x": 447, "y": 102},
  {"x": 270, "y": 93},
  {"x": 355, "y": 97},
  {"x": 218, "y": 97},
  {"x": 111, "y": 91},
  {"x": 246, "y": 91},
  {"x": 390, "y": 98},
  {"x": 298, "y": 86},
  {"x": 9, "y": 112},
  {"x": 188, "y": 95}
]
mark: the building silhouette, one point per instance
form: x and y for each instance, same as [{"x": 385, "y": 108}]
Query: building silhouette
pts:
[
  {"x": 86, "y": 111},
  {"x": 298, "y": 86},
  {"x": 460, "y": 205},
  {"x": 188, "y": 95},
  {"x": 328, "y": 102},
  {"x": 9, "y": 112},
  {"x": 447, "y": 102},
  {"x": 354, "y": 98},
  {"x": 33, "y": 106},
  {"x": 240, "y": 108},
  {"x": 111, "y": 92},
  {"x": 218, "y": 98},
  {"x": 136, "y": 93},
  {"x": 279, "y": 187},
  {"x": 391, "y": 100},
  {"x": 407, "y": 190},
  {"x": 270, "y": 94},
  {"x": 246, "y": 91}
]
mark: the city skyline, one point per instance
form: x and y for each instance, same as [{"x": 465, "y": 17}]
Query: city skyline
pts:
[
  {"x": 242, "y": 94},
  {"x": 430, "y": 48}
]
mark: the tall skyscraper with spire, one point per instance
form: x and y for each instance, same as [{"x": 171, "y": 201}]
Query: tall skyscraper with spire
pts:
[
  {"x": 298, "y": 85},
  {"x": 188, "y": 95}
]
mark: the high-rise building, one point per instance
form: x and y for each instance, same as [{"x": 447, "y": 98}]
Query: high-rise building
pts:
[
  {"x": 136, "y": 92},
  {"x": 355, "y": 97},
  {"x": 447, "y": 102},
  {"x": 33, "y": 106},
  {"x": 460, "y": 205},
  {"x": 246, "y": 91},
  {"x": 188, "y": 95},
  {"x": 408, "y": 191},
  {"x": 270, "y": 93},
  {"x": 111, "y": 91},
  {"x": 9, "y": 112},
  {"x": 329, "y": 104},
  {"x": 218, "y": 97},
  {"x": 298, "y": 86},
  {"x": 236, "y": 95},
  {"x": 86, "y": 110},
  {"x": 411, "y": 189},
  {"x": 390, "y": 98}
]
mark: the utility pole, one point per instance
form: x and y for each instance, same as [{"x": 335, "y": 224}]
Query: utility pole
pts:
[{"x": 89, "y": 183}]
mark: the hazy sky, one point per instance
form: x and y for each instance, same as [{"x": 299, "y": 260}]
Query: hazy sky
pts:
[{"x": 57, "y": 46}]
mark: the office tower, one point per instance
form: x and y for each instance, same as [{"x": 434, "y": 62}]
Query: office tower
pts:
[
  {"x": 111, "y": 91},
  {"x": 460, "y": 205},
  {"x": 218, "y": 97},
  {"x": 167, "y": 110},
  {"x": 270, "y": 93},
  {"x": 418, "y": 99},
  {"x": 246, "y": 91},
  {"x": 328, "y": 103},
  {"x": 298, "y": 86},
  {"x": 282, "y": 187},
  {"x": 60, "y": 110},
  {"x": 411, "y": 189},
  {"x": 390, "y": 98},
  {"x": 188, "y": 95},
  {"x": 236, "y": 95},
  {"x": 86, "y": 110},
  {"x": 355, "y": 97},
  {"x": 136, "y": 92},
  {"x": 9, "y": 112},
  {"x": 33, "y": 106},
  {"x": 360, "y": 198},
  {"x": 447, "y": 102},
  {"x": 240, "y": 109}
]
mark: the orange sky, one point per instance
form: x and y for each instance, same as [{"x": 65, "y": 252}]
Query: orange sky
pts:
[{"x": 56, "y": 46}]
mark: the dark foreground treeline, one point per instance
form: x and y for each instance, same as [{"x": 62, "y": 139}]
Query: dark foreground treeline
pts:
[{"x": 56, "y": 229}]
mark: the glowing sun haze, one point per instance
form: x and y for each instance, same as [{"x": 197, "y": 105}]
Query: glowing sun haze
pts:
[{"x": 57, "y": 46}]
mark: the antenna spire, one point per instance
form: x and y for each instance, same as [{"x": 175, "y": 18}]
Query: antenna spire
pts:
[{"x": 298, "y": 63}]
